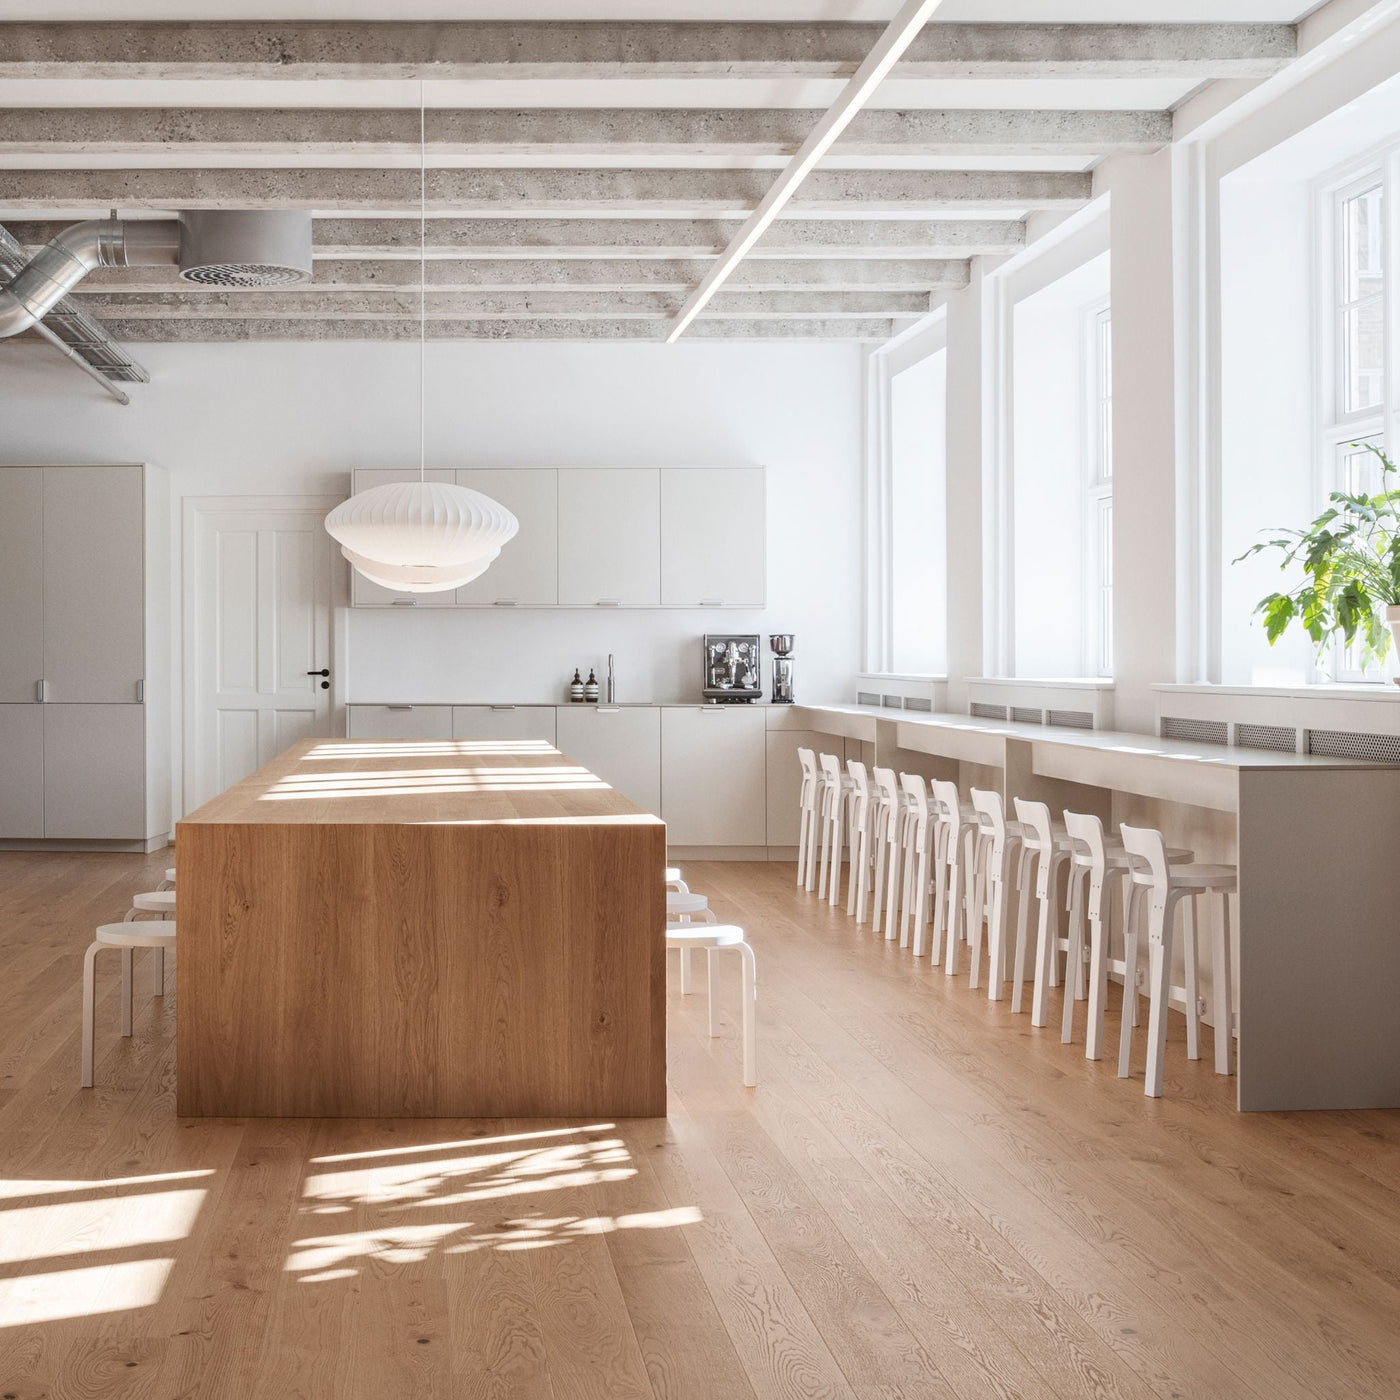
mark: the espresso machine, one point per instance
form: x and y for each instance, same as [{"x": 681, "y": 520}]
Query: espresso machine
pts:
[
  {"x": 781, "y": 645},
  {"x": 731, "y": 672}
]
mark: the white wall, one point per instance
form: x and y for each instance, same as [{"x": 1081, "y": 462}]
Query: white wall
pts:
[{"x": 295, "y": 419}]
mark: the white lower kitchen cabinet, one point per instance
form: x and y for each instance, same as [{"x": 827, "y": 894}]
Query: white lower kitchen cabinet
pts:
[
  {"x": 398, "y": 721},
  {"x": 713, "y": 761},
  {"x": 94, "y": 772},
  {"x": 621, "y": 745},
  {"x": 21, "y": 772},
  {"x": 503, "y": 722}
]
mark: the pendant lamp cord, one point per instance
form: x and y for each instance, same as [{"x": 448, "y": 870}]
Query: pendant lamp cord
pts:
[{"x": 422, "y": 277}]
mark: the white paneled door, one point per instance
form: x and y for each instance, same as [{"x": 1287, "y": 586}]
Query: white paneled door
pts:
[{"x": 258, "y": 591}]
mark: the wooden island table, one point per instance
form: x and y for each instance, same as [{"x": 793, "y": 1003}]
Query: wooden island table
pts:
[{"x": 434, "y": 929}]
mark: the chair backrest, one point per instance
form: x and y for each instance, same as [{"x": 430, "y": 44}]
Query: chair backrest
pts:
[
  {"x": 1150, "y": 848},
  {"x": 947, "y": 802},
  {"x": 1035, "y": 816},
  {"x": 990, "y": 810},
  {"x": 1086, "y": 831},
  {"x": 916, "y": 790},
  {"x": 831, "y": 768},
  {"x": 808, "y": 795},
  {"x": 859, "y": 777},
  {"x": 808, "y": 760}
]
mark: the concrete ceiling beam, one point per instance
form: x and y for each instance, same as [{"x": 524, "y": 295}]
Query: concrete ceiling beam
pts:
[
  {"x": 342, "y": 238},
  {"x": 474, "y": 305},
  {"x": 572, "y": 136},
  {"x": 554, "y": 50},
  {"x": 607, "y": 274},
  {"x": 522, "y": 194},
  {"x": 210, "y": 329}
]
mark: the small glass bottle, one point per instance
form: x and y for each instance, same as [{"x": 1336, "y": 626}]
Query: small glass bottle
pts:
[
  {"x": 590, "y": 689},
  {"x": 576, "y": 689}
]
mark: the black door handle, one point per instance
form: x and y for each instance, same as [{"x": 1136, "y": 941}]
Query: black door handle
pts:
[{"x": 318, "y": 673}]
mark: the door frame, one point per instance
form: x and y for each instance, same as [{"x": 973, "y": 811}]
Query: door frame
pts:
[{"x": 190, "y": 647}]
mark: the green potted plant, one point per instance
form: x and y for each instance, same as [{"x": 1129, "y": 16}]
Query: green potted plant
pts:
[{"x": 1350, "y": 557}]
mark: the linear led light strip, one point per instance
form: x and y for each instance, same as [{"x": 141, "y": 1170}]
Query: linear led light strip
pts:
[{"x": 878, "y": 62}]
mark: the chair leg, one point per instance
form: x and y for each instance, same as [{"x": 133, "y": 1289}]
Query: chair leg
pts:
[
  {"x": 1098, "y": 976},
  {"x": 750, "y": 992},
  {"x": 160, "y": 971},
  {"x": 126, "y": 991},
  {"x": 1046, "y": 937},
  {"x": 955, "y": 914},
  {"x": 1073, "y": 959},
  {"x": 838, "y": 841},
  {"x": 940, "y": 892},
  {"x": 1224, "y": 997},
  {"x": 877, "y": 887},
  {"x": 712, "y": 969},
  {"x": 1193, "y": 983},
  {"x": 1024, "y": 866},
  {"x": 996, "y": 937},
  {"x": 921, "y": 881},
  {"x": 1131, "y": 938},
  {"x": 801, "y": 844},
  {"x": 892, "y": 890},
  {"x": 89, "y": 1000},
  {"x": 1159, "y": 934}
]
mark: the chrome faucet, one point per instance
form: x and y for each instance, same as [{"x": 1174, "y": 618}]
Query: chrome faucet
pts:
[{"x": 612, "y": 684}]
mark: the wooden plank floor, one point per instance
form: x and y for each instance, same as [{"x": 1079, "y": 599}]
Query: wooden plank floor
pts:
[{"x": 925, "y": 1197}]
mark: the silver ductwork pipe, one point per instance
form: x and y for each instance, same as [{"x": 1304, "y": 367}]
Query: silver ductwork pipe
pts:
[{"x": 64, "y": 261}]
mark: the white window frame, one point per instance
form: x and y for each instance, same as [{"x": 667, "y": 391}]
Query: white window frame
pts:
[
  {"x": 927, "y": 337},
  {"x": 1096, "y": 367},
  {"x": 1335, "y": 426}
]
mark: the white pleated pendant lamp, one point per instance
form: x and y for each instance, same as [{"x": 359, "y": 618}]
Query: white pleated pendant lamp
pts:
[{"x": 421, "y": 536}]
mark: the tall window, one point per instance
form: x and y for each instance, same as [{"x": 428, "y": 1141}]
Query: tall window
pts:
[
  {"x": 1352, "y": 409},
  {"x": 1098, "y": 592}
]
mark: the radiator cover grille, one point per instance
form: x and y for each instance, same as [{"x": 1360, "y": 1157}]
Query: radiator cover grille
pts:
[
  {"x": 1198, "y": 731},
  {"x": 1374, "y": 748}
]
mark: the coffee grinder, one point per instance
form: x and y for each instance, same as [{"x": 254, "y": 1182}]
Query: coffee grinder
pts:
[{"x": 781, "y": 644}]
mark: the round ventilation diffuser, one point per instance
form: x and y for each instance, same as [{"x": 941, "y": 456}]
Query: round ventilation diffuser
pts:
[{"x": 245, "y": 247}]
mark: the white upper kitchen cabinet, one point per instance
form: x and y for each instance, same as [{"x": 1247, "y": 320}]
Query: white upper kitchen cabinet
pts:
[
  {"x": 363, "y": 593},
  {"x": 713, "y": 775},
  {"x": 93, "y": 599},
  {"x": 621, "y": 745},
  {"x": 712, "y": 537},
  {"x": 609, "y": 537},
  {"x": 21, "y": 584},
  {"x": 493, "y": 722},
  {"x": 526, "y": 573}
]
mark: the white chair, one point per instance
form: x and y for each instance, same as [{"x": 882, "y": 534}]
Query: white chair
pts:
[
  {"x": 888, "y": 835},
  {"x": 917, "y": 856},
  {"x": 685, "y": 907},
  {"x": 714, "y": 938},
  {"x": 1046, "y": 845},
  {"x": 999, "y": 843},
  {"x": 126, "y": 936},
  {"x": 955, "y": 845},
  {"x": 835, "y": 786},
  {"x": 860, "y": 816},
  {"x": 1165, "y": 886},
  {"x": 808, "y": 804}
]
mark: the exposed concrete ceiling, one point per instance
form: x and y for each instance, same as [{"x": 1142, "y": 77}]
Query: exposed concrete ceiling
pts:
[{"x": 587, "y": 161}]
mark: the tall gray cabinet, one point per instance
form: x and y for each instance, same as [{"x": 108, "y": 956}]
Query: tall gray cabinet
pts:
[{"x": 84, "y": 656}]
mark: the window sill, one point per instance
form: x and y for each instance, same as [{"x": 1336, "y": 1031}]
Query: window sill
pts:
[
  {"x": 1383, "y": 691},
  {"x": 1051, "y": 683},
  {"x": 899, "y": 676}
]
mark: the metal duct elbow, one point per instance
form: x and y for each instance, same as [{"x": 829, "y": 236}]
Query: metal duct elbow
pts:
[{"x": 64, "y": 261}]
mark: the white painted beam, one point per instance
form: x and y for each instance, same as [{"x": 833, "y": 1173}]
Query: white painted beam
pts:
[{"x": 872, "y": 72}]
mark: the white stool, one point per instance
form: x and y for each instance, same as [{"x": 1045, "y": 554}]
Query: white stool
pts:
[
  {"x": 1167, "y": 885},
  {"x": 808, "y": 804},
  {"x": 860, "y": 814},
  {"x": 169, "y": 882},
  {"x": 917, "y": 856},
  {"x": 685, "y": 907},
  {"x": 713, "y": 937},
  {"x": 887, "y": 828},
  {"x": 674, "y": 881},
  {"x": 162, "y": 904},
  {"x": 125, "y": 936},
  {"x": 955, "y": 845},
  {"x": 1000, "y": 845},
  {"x": 835, "y": 786},
  {"x": 1047, "y": 844}
]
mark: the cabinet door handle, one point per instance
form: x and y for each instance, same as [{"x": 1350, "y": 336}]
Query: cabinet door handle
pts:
[
  {"x": 405, "y": 602},
  {"x": 398, "y": 707},
  {"x": 141, "y": 692},
  {"x": 609, "y": 602},
  {"x": 712, "y": 602},
  {"x": 502, "y": 707},
  {"x": 507, "y": 602},
  {"x": 41, "y": 691}
]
